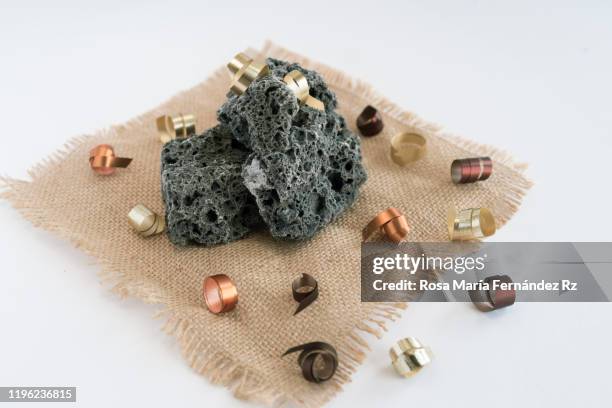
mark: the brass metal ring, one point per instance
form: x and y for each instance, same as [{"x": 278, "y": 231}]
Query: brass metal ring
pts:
[
  {"x": 220, "y": 293},
  {"x": 407, "y": 148},
  {"x": 244, "y": 70},
  {"x": 146, "y": 222},
  {"x": 240, "y": 60},
  {"x": 175, "y": 127},
  {"x": 409, "y": 356},
  {"x": 297, "y": 83},
  {"x": 470, "y": 223}
]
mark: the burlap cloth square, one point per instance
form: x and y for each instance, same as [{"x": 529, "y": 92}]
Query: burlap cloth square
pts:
[{"x": 242, "y": 349}]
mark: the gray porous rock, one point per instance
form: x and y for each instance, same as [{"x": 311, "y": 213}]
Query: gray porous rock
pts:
[
  {"x": 302, "y": 189},
  {"x": 262, "y": 117},
  {"x": 305, "y": 168},
  {"x": 271, "y": 161},
  {"x": 202, "y": 187}
]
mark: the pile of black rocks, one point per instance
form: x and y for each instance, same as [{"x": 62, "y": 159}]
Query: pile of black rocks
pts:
[{"x": 270, "y": 162}]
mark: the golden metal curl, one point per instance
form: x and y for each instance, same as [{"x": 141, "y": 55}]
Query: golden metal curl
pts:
[
  {"x": 145, "y": 222},
  {"x": 296, "y": 81},
  {"x": 173, "y": 127},
  {"x": 244, "y": 71},
  {"x": 408, "y": 356},
  {"x": 470, "y": 223},
  {"x": 407, "y": 148}
]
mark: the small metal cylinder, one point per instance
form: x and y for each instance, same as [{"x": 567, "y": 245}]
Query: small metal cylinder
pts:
[
  {"x": 146, "y": 222},
  {"x": 470, "y": 223},
  {"x": 297, "y": 83},
  {"x": 495, "y": 297},
  {"x": 103, "y": 161},
  {"x": 244, "y": 71},
  {"x": 176, "y": 127},
  {"x": 390, "y": 222},
  {"x": 239, "y": 60},
  {"x": 220, "y": 293},
  {"x": 305, "y": 290},
  {"x": 471, "y": 170},
  {"x": 369, "y": 121},
  {"x": 408, "y": 356},
  {"x": 318, "y": 360},
  {"x": 407, "y": 148}
]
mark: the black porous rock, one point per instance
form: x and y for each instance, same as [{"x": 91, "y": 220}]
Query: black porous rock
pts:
[
  {"x": 206, "y": 200},
  {"x": 262, "y": 117},
  {"x": 302, "y": 189},
  {"x": 270, "y": 160},
  {"x": 305, "y": 168}
]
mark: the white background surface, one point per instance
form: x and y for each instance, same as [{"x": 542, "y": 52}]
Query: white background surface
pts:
[{"x": 531, "y": 77}]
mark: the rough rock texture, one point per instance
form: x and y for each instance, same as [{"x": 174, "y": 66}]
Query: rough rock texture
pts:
[
  {"x": 305, "y": 168},
  {"x": 262, "y": 117},
  {"x": 270, "y": 160},
  {"x": 301, "y": 190},
  {"x": 206, "y": 200}
]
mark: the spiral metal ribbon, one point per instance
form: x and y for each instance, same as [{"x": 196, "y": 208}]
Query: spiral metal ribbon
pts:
[
  {"x": 318, "y": 360},
  {"x": 370, "y": 122},
  {"x": 391, "y": 222},
  {"x": 471, "y": 170},
  {"x": 305, "y": 291},
  {"x": 146, "y": 222},
  {"x": 103, "y": 161},
  {"x": 470, "y": 223},
  {"x": 175, "y": 127},
  {"x": 495, "y": 297},
  {"x": 408, "y": 356},
  {"x": 244, "y": 70},
  {"x": 296, "y": 81},
  {"x": 407, "y": 148}
]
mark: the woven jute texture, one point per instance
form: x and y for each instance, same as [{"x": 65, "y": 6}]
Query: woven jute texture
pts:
[{"x": 242, "y": 349}]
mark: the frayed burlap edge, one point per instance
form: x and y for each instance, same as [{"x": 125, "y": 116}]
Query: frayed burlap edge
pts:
[{"x": 217, "y": 367}]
